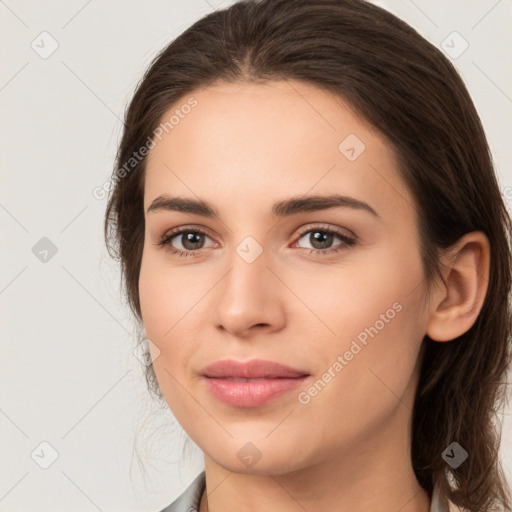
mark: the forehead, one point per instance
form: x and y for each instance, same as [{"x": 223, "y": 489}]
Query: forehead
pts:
[{"x": 246, "y": 143}]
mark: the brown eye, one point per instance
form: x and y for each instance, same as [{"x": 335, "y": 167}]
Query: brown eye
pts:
[
  {"x": 191, "y": 240},
  {"x": 321, "y": 240},
  {"x": 185, "y": 240}
]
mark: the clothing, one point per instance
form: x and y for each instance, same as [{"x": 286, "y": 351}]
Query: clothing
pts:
[{"x": 191, "y": 497}]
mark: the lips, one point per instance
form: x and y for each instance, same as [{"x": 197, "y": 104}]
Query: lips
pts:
[
  {"x": 254, "y": 369},
  {"x": 252, "y": 383}
]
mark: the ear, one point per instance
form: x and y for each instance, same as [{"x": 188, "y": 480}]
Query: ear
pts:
[{"x": 457, "y": 303}]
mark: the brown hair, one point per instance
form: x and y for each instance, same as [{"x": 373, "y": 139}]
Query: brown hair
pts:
[{"x": 412, "y": 94}]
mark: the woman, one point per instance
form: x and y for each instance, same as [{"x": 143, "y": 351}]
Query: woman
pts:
[{"x": 312, "y": 235}]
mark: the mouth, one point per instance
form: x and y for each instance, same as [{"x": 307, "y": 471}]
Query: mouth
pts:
[
  {"x": 252, "y": 383},
  {"x": 253, "y": 369}
]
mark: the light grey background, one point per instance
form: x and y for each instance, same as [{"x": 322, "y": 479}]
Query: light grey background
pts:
[{"x": 68, "y": 373}]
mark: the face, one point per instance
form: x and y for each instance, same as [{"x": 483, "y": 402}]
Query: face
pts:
[{"x": 308, "y": 256}]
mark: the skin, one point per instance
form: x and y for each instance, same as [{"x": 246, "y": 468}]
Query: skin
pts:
[{"x": 242, "y": 148}]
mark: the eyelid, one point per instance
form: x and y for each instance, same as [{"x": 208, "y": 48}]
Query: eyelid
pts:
[
  {"x": 188, "y": 227},
  {"x": 325, "y": 227}
]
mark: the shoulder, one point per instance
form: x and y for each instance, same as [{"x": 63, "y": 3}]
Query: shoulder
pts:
[
  {"x": 441, "y": 503},
  {"x": 190, "y": 498},
  {"x": 455, "y": 508}
]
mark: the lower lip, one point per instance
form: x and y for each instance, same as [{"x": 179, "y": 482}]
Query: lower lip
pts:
[{"x": 251, "y": 393}]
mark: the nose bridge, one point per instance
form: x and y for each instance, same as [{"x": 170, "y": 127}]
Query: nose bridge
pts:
[
  {"x": 245, "y": 282},
  {"x": 247, "y": 297}
]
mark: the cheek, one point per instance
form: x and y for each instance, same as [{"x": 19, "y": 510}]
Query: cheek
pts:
[
  {"x": 373, "y": 303},
  {"x": 167, "y": 295},
  {"x": 376, "y": 378},
  {"x": 172, "y": 303},
  {"x": 364, "y": 293},
  {"x": 154, "y": 300},
  {"x": 375, "y": 313},
  {"x": 162, "y": 305},
  {"x": 164, "y": 300}
]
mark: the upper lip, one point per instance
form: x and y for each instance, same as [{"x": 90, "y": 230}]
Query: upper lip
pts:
[{"x": 254, "y": 369}]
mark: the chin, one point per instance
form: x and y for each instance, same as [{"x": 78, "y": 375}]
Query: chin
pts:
[{"x": 258, "y": 457}]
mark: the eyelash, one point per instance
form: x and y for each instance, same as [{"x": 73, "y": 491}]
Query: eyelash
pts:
[{"x": 347, "y": 241}]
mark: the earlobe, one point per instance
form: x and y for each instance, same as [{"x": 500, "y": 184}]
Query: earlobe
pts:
[{"x": 457, "y": 303}]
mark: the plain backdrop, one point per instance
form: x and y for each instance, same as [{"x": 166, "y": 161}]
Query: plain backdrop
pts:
[{"x": 79, "y": 430}]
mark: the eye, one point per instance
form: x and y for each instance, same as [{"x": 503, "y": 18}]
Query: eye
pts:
[
  {"x": 321, "y": 239},
  {"x": 190, "y": 239}
]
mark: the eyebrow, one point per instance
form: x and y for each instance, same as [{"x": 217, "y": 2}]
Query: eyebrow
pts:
[{"x": 284, "y": 208}]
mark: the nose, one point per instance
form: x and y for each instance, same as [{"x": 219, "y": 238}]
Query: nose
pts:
[{"x": 249, "y": 298}]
